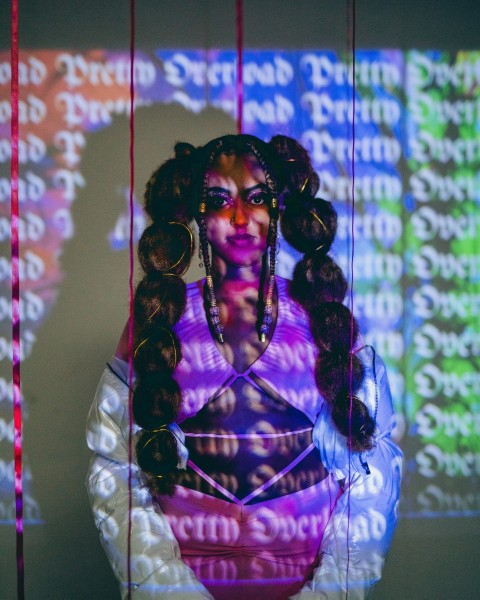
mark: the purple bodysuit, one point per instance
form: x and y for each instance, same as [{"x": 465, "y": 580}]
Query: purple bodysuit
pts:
[{"x": 241, "y": 544}]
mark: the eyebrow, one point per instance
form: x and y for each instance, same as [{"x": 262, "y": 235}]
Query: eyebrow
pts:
[{"x": 246, "y": 191}]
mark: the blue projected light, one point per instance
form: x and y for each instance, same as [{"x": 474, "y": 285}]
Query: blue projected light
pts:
[{"x": 414, "y": 206}]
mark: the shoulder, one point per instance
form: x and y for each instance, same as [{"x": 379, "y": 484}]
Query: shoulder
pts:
[
  {"x": 194, "y": 296},
  {"x": 194, "y": 286},
  {"x": 194, "y": 309},
  {"x": 293, "y": 308}
]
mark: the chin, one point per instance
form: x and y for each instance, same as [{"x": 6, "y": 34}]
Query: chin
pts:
[{"x": 244, "y": 259}]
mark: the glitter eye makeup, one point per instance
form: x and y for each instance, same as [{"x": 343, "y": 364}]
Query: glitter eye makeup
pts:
[
  {"x": 219, "y": 198},
  {"x": 258, "y": 196}
]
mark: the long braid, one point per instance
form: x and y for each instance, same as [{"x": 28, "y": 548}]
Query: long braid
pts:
[
  {"x": 213, "y": 311},
  {"x": 165, "y": 251},
  {"x": 309, "y": 225},
  {"x": 267, "y": 307}
]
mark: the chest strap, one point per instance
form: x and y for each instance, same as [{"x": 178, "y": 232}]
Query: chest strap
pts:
[{"x": 260, "y": 489}]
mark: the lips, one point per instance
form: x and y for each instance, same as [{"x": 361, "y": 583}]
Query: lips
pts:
[{"x": 240, "y": 239}]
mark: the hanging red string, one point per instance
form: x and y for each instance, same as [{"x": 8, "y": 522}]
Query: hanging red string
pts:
[
  {"x": 15, "y": 250},
  {"x": 131, "y": 291},
  {"x": 350, "y": 22},
  {"x": 239, "y": 24}
]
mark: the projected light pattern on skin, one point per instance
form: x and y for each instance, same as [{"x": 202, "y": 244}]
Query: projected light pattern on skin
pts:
[
  {"x": 237, "y": 199},
  {"x": 277, "y": 436}
]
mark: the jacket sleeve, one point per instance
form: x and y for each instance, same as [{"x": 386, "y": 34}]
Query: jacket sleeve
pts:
[
  {"x": 156, "y": 568},
  {"x": 361, "y": 526}
]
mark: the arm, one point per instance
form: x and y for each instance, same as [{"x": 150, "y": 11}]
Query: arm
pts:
[
  {"x": 360, "y": 529},
  {"x": 157, "y": 570}
]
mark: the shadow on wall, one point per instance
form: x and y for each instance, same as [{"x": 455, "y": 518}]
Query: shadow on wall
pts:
[{"x": 63, "y": 555}]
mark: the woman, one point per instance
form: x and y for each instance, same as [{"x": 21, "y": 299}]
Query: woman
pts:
[{"x": 263, "y": 459}]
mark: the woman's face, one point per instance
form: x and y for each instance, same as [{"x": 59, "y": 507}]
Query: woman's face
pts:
[{"x": 237, "y": 214}]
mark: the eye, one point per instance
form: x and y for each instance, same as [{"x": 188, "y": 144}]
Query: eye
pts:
[
  {"x": 258, "y": 198},
  {"x": 217, "y": 199}
]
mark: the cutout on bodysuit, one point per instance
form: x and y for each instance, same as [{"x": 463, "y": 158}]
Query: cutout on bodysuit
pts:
[{"x": 248, "y": 446}]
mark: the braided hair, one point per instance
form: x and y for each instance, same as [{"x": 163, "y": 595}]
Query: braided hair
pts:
[
  {"x": 165, "y": 251},
  {"x": 174, "y": 196},
  {"x": 309, "y": 224}
]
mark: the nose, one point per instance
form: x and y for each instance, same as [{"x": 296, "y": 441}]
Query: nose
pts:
[{"x": 240, "y": 215}]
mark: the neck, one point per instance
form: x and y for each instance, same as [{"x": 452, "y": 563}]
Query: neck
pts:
[
  {"x": 229, "y": 279},
  {"x": 237, "y": 294}
]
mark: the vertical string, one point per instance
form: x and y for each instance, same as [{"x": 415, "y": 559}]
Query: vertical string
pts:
[
  {"x": 239, "y": 27},
  {"x": 350, "y": 22},
  {"x": 352, "y": 221},
  {"x": 15, "y": 251},
  {"x": 130, "y": 284}
]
